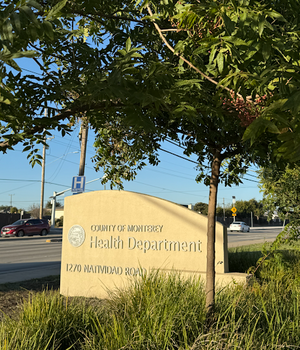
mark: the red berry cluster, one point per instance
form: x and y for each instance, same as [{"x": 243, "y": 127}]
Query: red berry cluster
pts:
[{"x": 246, "y": 110}]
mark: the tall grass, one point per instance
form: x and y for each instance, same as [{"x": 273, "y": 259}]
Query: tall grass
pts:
[
  {"x": 241, "y": 258},
  {"x": 156, "y": 312},
  {"x": 161, "y": 311},
  {"x": 46, "y": 321}
]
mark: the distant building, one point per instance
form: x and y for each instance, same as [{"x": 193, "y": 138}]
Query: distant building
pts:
[{"x": 59, "y": 212}]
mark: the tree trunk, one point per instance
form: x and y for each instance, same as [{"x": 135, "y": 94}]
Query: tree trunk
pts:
[{"x": 211, "y": 233}]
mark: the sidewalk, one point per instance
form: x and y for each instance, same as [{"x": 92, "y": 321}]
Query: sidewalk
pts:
[
  {"x": 266, "y": 227},
  {"x": 56, "y": 230}
]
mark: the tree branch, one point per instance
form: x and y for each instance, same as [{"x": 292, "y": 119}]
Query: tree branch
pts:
[
  {"x": 66, "y": 114},
  {"x": 184, "y": 59}
]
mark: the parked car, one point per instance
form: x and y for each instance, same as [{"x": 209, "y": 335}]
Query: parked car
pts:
[
  {"x": 26, "y": 227},
  {"x": 239, "y": 226}
]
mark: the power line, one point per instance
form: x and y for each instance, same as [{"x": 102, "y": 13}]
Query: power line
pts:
[
  {"x": 22, "y": 180},
  {"x": 251, "y": 175},
  {"x": 176, "y": 144},
  {"x": 31, "y": 71},
  {"x": 167, "y": 189},
  {"x": 162, "y": 172},
  {"x": 177, "y": 155},
  {"x": 251, "y": 180}
]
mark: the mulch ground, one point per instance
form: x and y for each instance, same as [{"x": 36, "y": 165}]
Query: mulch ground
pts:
[{"x": 12, "y": 295}]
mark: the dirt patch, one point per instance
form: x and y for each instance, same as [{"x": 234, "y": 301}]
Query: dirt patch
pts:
[{"x": 13, "y": 294}]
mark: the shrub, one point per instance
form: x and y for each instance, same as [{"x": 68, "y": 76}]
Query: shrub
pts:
[{"x": 59, "y": 222}]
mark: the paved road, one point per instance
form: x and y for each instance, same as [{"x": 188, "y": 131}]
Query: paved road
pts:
[
  {"x": 34, "y": 257},
  {"x": 256, "y": 235},
  {"x": 30, "y": 257}
]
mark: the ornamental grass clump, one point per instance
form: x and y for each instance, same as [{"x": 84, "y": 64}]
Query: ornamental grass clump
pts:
[
  {"x": 167, "y": 311},
  {"x": 46, "y": 321},
  {"x": 157, "y": 311}
]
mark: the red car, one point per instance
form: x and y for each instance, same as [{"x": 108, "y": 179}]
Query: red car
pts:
[{"x": 26, "y": 227}]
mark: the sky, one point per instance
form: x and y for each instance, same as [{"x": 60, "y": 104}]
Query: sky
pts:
[{"x": 173, "y": 179}]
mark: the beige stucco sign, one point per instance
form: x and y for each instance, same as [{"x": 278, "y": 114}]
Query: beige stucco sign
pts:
[{"x": 111, "y": 236}]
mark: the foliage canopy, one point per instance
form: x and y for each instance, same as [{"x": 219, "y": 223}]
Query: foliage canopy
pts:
[{"x": 219, "y": 78}]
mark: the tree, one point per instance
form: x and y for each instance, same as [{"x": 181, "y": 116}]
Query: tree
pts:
[
  {"x": 245, "y": 208},
  {"x": 215, "y": 103},
  {"x": 99, "y": 78},
  {"x": 5, "y": 208},
  {"x": 219, "y": 78},
  {"x": 49, "y": 205},
  {"x": 281, "y": 192},
  {"x": 34, "y": 211},
  {"x": 14, "y": 210},
  {"x": 201, "y": 208},
  {"x": 220, "y": 211}
]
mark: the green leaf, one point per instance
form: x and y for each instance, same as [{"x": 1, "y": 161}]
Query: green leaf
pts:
[
  {"x": 27, "y": 148},
  {"x": 55, "y": 11},
  {"x": 34, "y": 4},
  {"x": 261, "y": 24},
  {"x": 259, "y": 126},
  {"x": 229, "y": 24},
  {"x": 179, "y": 47},
  {"x": 188, "y": 82},
  {"x": 212, "y": 54},
  {"x": 128, "y": 44},
  {"x": 293, "y": 103},
  {"x": 7, "y": 31},
  {"x": 48, "y": 30},
  {"x": 27, "y": 11},
  {"x": 277, "y": 15},
  {"x": 7, "y": 12},
  {"x": 16, "y": 22},
  {"x": 220, "y": 62},
  {"x": 266, "y": 51}
]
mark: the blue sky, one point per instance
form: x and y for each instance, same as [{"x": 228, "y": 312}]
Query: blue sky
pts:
[{"x": 173, "y": 179}]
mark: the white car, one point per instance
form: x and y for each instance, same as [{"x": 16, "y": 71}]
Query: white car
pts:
[{"x": 239, "y": 226}]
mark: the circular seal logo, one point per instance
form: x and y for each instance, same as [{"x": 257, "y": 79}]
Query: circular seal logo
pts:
[{"x": 76, "y": 235}]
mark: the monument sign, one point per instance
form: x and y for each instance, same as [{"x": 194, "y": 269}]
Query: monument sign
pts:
[{"x": 111, "y": 236}]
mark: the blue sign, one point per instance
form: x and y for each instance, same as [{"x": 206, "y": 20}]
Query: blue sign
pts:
[{"x": 78, "y": 184}]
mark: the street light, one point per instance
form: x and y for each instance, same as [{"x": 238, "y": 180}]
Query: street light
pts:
[{"x": 56, "y": 194}]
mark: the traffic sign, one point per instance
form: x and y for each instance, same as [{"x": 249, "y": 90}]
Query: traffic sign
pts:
[
  {"x": 233, "y": 214},
  {"x": 78, "y": 184},
  {"x": 233, "y": 209}
]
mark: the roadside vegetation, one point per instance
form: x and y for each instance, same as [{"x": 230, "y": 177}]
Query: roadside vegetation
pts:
[{"x": 166, "y": 312}]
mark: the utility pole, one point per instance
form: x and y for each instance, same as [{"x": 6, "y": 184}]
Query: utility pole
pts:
[
  {"x": 43, "y": 171},
  {"x": 83, "y": 139},
  {"x": 233, "y": 204},
  {"x": 11, "y": 200},
  {"x": 43, "y": 179}
]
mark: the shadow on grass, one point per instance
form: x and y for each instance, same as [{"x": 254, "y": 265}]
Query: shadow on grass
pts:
[
  {"x": 241, "y": 261},
  {"x": 36, "y": 284}
]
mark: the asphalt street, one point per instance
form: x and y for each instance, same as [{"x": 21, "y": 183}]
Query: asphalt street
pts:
[
  {"x": 256, "y": 235},
  {"x": 30, "y": 257},
  {"x": 35, "y": 257}
]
